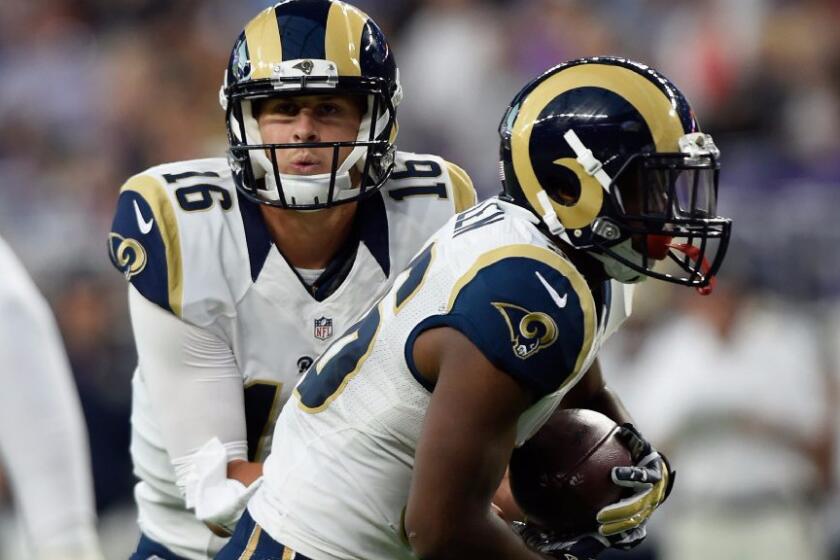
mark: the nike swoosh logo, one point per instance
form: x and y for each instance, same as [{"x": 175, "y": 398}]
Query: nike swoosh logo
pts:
[
  {"x": 560, "y": 301},
  {"x": 145, "y": 227}
]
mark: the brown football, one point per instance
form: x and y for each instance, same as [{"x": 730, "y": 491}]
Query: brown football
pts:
[{"x": 561, "y": 477}]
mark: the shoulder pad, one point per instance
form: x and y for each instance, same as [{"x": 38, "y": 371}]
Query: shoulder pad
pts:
[
  {"x": 463, "y": 191},
  {"x": 529, "y": 311},
  {"x": 144, "y": 242}
]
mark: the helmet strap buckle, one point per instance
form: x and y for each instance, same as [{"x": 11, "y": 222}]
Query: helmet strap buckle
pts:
[
  {"x": 549, "y": 216},
  {"x": 584, "y": 156}
]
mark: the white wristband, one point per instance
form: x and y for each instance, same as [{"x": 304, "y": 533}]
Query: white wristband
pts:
[{"x": 207, "y": 489}]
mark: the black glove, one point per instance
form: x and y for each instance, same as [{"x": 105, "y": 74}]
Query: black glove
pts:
[{"x": 583, "y": 547}]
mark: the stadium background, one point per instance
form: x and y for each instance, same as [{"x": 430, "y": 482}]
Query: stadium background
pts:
[{"x": 93, "y": 91}]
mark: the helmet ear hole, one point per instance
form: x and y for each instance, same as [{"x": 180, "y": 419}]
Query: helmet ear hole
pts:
[{"x": 565, "y": 191}]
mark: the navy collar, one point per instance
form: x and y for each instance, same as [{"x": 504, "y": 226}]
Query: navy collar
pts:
[
  {"x": 372, "y": 223},
  {"x": 370, "y": 227},
  {"x": 257, "y": 236}
]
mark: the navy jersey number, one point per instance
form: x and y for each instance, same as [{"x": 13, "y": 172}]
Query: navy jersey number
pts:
[
  {"x": 422, "y": 169},
  {"x": 262, "y": 405},
  {"x": 199, "y": 197},
  {"x": 328, "y": 377},
  {"x": 202, "y": 197},
  {"x": 417, "y": 270}
]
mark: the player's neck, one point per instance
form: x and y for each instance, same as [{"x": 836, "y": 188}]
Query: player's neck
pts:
[
  {"x": 591, "y": 269},
  {"x": 309, "y": 239}
]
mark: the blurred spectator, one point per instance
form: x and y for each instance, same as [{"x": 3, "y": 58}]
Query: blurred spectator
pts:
[
  {"x": 102, "y": 358},
  {"x": 738, "y": 396},
  {"x": 457, "y": 79}
]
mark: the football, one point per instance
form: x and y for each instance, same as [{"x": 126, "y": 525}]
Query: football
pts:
[{"x": 561, "y": 477}]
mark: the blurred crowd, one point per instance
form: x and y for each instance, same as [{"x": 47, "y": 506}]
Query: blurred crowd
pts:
[{"x": 93, "y": 91}]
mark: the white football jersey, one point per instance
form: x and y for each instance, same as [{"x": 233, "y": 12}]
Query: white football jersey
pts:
[
  {"x": 337, "y": 484},
  {"x": 187, "y": 241}
]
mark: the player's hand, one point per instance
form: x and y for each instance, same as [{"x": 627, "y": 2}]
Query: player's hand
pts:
[
  {"x": 217, "y": 500},
  {"x": 583, "y": 547},
  {"x": 651, "y": 480}
]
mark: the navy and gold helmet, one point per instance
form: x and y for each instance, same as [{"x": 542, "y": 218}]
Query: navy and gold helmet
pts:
[
  {"x": 609, "y": 155},
  {"x": 311, "y": 47}
]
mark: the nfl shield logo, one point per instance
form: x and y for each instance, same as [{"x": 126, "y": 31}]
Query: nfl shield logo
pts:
[{"x": 323, "y": 328}]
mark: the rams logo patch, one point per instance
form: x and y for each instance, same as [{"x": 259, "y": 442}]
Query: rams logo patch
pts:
[
  {"x": 305, "y": 66},
  {"x": 127, "y": 254},
  {"x": 530, "y": 331}
]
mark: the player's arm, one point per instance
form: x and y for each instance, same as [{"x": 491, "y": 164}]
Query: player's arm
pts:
[
  {"x": 592, "y": 392},
  {"x": 652, "y": 477},
  {"x": 467, "y": 438},
  {"x": 196, "y": 390}
]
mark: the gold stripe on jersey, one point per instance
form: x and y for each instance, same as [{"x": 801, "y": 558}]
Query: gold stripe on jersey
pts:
[
  {"x": 555, "y": 261},
  {"x": 288, "y": 553},
  {"x": 463, "y": 191},
  {"x": 253, "y": 541},
  {"x": 153, "y": 193},
  {"x": 265, "y": 49},
  {"x": 655, "y": 107},
  {"x": 343, "y": 41}
]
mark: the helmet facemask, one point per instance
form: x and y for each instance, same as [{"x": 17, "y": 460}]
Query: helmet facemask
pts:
[{"x": 665, "y": 208}]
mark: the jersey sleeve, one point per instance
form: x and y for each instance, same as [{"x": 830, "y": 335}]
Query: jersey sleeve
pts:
[
  {"x": 463, "y": 191},
  {"x": 144, "y": 242},
  {"x": 529, "y": 312},
  {"x": 178, "y": 360}
]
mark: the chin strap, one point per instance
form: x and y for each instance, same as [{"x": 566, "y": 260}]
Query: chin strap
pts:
[
  {"x": 309, "y": 189},
  {"x": 549, "y": 216}
]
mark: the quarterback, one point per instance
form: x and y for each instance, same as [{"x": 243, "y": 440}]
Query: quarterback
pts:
[
  {"x": 244, "y": 269},
  {"x": 398, "y": 436}
]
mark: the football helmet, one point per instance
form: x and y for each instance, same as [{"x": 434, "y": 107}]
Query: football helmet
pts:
[
  {"x": 311, "y": 47},
  {"x": 609, "y": 155}
]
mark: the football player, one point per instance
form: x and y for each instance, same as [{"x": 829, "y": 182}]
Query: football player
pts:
[
  {"x": 244, "y": 269},
  {"x": 43, "y": 441},
  {"x": 399, "y": 435}
]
